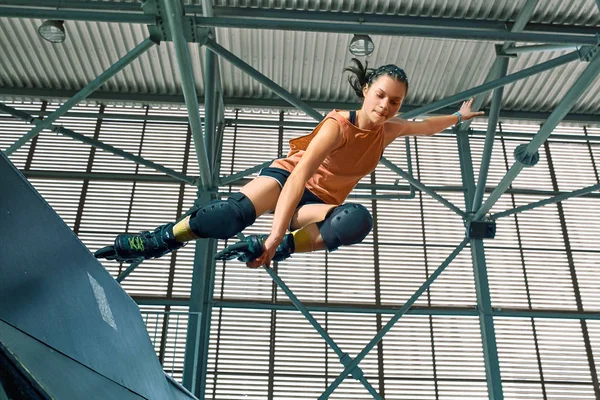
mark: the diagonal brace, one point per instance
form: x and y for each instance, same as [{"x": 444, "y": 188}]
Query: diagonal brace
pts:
[
  {"x": 281, "y": 92},
  {"x": 555, "y": 199},
  {"x": 101, "y": 145},
  {"x": 82, "y": 94},
  {"x": 393, "y": 320},
  {"x": 345, "y": 358},
  {"x": 491, "y": 85},
  {"x": 581, "y": 84},
  {"x": 414, "y": 182}
]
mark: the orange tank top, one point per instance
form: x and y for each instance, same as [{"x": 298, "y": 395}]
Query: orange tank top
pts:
[{"x": 341, "y": 170}]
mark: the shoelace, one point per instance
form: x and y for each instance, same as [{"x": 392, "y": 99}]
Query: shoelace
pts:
[{"x": 136, "y": 243}]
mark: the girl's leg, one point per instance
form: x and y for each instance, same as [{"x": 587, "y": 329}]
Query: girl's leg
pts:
[
  {"x": 218, "y": 219},
  {"x": 327, "y": 227},
  {"x": 262, "y": 192}
]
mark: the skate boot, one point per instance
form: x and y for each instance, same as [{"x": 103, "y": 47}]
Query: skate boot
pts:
[
  {"x": 252, "y": 247},
  {"x": 130, "y": 247}
]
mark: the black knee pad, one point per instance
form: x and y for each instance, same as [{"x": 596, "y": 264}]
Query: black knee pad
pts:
[
  {"x": 345, "y": 225},
  {"x": 222, "y": 219}
]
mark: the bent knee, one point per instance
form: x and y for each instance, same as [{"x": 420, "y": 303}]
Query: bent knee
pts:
[{"x": 345, "y": 225}]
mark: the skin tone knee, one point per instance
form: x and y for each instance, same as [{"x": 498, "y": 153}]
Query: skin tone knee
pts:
[
  {"x": 310, "y": 213},
  {"x": 263, "y": 192}
]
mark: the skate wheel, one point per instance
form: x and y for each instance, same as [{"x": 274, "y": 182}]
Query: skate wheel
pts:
[{"x": 107, "y": 252}]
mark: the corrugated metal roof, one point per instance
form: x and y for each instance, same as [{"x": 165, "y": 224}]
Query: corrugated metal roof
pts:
[{"x": 308, "y": 64}]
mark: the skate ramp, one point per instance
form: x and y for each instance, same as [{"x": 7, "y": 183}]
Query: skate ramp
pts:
[{"x": 64, "y": 321}]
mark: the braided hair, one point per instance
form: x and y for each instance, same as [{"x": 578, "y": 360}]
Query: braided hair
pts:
[{"x": 363, "y": 76}]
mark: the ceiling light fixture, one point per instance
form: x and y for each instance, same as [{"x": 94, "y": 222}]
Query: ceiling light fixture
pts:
[
  {"x": 53, "y": 31},
  {"x": 361, "y": 45}
]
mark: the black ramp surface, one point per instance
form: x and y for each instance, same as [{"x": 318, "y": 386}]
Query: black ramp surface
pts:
[
  {"x": 57, "y": 375},
  {"x": 53, "y": 289}
]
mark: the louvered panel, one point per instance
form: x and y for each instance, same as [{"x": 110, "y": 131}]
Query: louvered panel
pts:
[
  {"x": 308, "y": 275},
  {"x": 402, "y": 272},
  {"x": 345, "y": 268},
  {"x": 398, "y": 389},
  {"x": 507, "y": 279},
  {"x": 455, "y": 286},
  {"x": 408, "y": 354},
  {"x": 549, "y": 279},
  {"x": 58, "y": 152},
  {"x": 438, "y": 161},
  {"x": 517, "y": 351},
  {"x": 184, "y": 263},
  {"x": 583, "y": 222},
  {"x": 540, "y": 227},
  {"x": 573, "y": 164},
  {"x": 442, "y": 225},
  {"x": 587, "y": 267},
  {"x": 299, "y": 357},
  {"x": 152, "y": 205},
  {"x": 106, "y": 213},
  {"x": 153, "y": 318},
  {"x": 164, "y": 144},
  {"x": 563, "y": 353},
  {"x": 567, "y": 391},
  {"x": 243, "y": 354},
  {"x": 175, "y": 341},
  {"x": 63, "y": 197},
  {"x": 459, "y": 357},
  {"x": 521, "y": 391},
  {"x": 400, "y": 222},
  {"x": 13, "y": 129},
  {"x": 124, "y": 135}
]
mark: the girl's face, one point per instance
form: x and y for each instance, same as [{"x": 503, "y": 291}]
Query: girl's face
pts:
[{"x": 383, "y": 99}]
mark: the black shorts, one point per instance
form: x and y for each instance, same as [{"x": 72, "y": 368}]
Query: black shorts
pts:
[{"x": 281, "y": 175}]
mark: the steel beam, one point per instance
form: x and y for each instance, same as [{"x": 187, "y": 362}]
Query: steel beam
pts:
[
  {"x": 525, "y": 73},
  {"x": 200, "y": 308},
  {"x": 486, "y": 321},
  {"x": 226, "y": 180},
  {"x": 101, "y": 145},
  {"x": 494, "y": 72},
  {"x": 537, "y": 48},
  {"x": 489, "y": 137},
  {"x": 128, "y": 271},
  {"x": 83, "y": 93},
  {"x": 352, "y": 365},
  {"x": 521, "y": 21},
  {"x": 71, "y": 15},
  {"x": 63, "y": 7},
  {"x": 555, "y": 199},
  {"x": 392, "y": 30},
  {"x": 281, "y": 92},
  {"x": 484, "y": 308},
  {"x": 368, "y": 309},
  {"x": 174, "y": 11},
  {"x": 210, "y": 103},
  {"x": 11, "y": 93},
  {"x": 213, "y": 108},
  {"x": 582, "y": 83}
]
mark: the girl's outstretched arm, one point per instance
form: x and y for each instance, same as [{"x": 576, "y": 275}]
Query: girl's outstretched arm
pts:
[
  {"x": 325, "y": 141},
  {"x": 430, "y": 126}
]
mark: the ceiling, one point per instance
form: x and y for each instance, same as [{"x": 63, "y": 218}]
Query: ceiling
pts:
[{"x": 445, "y": 46}]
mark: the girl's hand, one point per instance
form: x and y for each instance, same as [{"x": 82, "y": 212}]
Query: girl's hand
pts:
[
  {"x": 265, "y": 259},
  {"x": 465, "y": 110}
]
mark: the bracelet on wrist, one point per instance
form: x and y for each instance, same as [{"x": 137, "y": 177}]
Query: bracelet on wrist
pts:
[{"x": 460, "y": 118}]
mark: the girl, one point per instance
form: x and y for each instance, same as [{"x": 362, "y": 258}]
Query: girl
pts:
[{"x": 307, "y": 189}]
